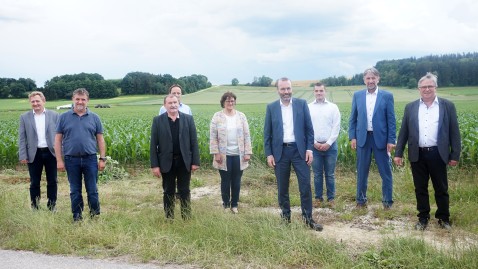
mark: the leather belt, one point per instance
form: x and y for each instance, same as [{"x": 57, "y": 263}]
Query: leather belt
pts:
[
  {"x": 80, "y": 155},
  {"x": 370, "y": 132},
  {"x": 290, "y": 144},
  {"x": 43, "y": 149},
  {"x": 427, "y": 149}
]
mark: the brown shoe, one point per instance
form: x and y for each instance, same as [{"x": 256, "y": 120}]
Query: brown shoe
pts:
[
  {"x": 331, "y": 204},
  {"x": 361, "y": 206},
  {"x": 317, "y": 203}
]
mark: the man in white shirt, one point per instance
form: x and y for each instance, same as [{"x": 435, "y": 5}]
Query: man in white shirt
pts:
[
  {"x": 431, "y": 131},
  {"x": 36, "y": 136},
  {"x": 176, "y": 90},
  {"x": 372, "y": 130},
  {"x": 288, "y": 141},
  {"x": 325, "y": 118}
]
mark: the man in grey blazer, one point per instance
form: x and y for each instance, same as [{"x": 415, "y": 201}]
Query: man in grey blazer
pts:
[
  {"x": 288, "y": 140},
  {"x": 372, "y": 130},
  {"x": 174, "y": 154},
  {"x": 36, "y": 136},
  {"x": 430, "y": 126}
]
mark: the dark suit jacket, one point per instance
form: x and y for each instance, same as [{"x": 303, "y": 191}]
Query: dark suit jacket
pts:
[
  {"x": 449, "y": 140},
  {"x": 28, "y": 138},
  {"x": 161, "y": 147},
  {"x": 274, "y": 133},
  {"x": 383, "y": 119}
]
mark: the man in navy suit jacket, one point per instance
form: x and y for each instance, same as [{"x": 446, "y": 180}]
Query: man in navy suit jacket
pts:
[
  {"x": 430, "y": 126},
  {"x": 289, "y": 139},
  {"x": 35, "y": 147},
  {"x": 372, "y": 129}
]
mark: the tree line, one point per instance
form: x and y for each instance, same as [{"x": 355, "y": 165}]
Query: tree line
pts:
[
  {"x": 61, "y": 87},
  {"x": 451, "y": 69}
]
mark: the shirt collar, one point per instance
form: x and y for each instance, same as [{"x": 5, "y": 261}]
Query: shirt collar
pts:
[
  {"x": 375, "y": 92},
  {"x": 44, "y": 109},
  {"x": 280, "y": 100},
  {"x": 434, "y": 101},
  {"x": 324, "y": 102}
]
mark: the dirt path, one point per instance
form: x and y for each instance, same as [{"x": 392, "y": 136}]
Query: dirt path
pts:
[{"x": 365, "y": 230}]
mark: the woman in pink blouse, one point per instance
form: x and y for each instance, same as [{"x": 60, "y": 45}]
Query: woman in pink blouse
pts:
[{"x": 230, "y": 142}]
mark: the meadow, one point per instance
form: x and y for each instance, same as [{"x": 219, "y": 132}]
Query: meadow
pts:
[{"x": 132, "y": 226}]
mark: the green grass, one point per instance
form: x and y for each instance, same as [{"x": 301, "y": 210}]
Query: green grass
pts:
[{"x": 132, "y": 224}]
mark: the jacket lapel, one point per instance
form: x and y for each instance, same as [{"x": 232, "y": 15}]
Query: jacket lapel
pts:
[{"x": 377, "y": 102}]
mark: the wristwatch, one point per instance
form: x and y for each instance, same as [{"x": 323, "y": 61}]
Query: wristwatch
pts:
[{"x": 103, "y": 159}]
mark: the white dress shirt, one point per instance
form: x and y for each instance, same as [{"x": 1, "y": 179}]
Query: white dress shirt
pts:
[
  {"x": 370, "y": 99},
  {"x": 287, "y": 122},
  {"x": 40, "y": 127},
  {"x": 326, "y": 121},
  {"x": 428, "y": 124}
]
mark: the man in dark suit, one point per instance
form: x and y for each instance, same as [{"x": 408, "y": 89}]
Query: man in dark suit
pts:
[
  {"x": 289, "y": 139},
  {"x": 372, "y": 130},
  {"x": 35, "y": 144},
  {"x": 174, "y": 154},
  {"x": 430, "y": 126}
]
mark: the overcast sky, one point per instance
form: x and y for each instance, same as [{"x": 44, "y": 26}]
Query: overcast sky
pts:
[{"x": 226, "y": 39}]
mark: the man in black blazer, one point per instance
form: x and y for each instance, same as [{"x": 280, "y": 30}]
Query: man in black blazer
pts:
[
  {"x": 174, "y": 154},
  {"x": 430, "y": 126},
  {"x": 288, "y": 140},
  {"x": 36, "y": 136}
]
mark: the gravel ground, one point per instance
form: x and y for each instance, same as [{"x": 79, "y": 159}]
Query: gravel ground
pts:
[{"x": 10, "y": 259}]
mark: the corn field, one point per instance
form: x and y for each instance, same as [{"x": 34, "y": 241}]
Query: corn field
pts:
[{"x": 127, "y": 140}]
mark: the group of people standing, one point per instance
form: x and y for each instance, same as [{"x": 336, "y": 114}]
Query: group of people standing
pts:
[
  {"x": 67, "y": 142},
  {"x": 296, "y": 134}
]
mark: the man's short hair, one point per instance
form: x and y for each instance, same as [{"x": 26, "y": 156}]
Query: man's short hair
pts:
[
  {"x": 431, "y": 76},
  {"x": 35, "y": 93},
  {"x": 81, "y": 91},
  {"x": 281, "y": 79},
  {"x": 175, "y": 85},
  {"x": 372, "y": 70},
  {"x": 169, "y": 96}
]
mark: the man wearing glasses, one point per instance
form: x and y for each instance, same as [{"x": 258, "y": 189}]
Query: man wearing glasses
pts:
[{"x": 430, "y": 126}]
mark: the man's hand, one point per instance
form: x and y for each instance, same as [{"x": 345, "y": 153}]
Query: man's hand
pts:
[
  {"x": 390, "y": 147},
  {"x": 398, "y": 161},
  {"x": 270, "y": 161},
  {"x": 101, "y": 165},
  {"x": 156, "y": 172},
  {"x": 453, "y": 163},
  {"x": 309, "y": 157},
  {"x": 194, "y": 167},
  {"x": 353, "y": 144},
  {"x": 60, "y": 165}
]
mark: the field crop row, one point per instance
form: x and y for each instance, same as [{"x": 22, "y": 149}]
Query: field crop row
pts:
[{"x": 127, "y": 140}]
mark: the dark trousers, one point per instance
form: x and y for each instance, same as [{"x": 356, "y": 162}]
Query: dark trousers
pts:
[
  {"x": 43, "y": 158},
  {"x": 85, "y": 169},
  {"x": 430, "y": 165},
  {"x": 231, "y": 181},
  {"x": 180, "y": 175},
  {"x": 291, "y": 156},
  {"x": 384, "y": 164}
]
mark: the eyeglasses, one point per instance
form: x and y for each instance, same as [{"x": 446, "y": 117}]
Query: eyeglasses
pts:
[
  {"x": 230, "y": 101},
  {"x": 430, "y": 87}
]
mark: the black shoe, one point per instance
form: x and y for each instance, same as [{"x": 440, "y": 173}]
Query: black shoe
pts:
[
  {"x": 444, "y": 224},
  {"x": 285, "y": 219},
  {"x": 314, "y": 226},
  {"x": 421, "y": 225},
  {"x": 77, "y": 218}
]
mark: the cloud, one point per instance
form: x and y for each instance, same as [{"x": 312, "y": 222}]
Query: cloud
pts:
[{"x": 302, "y": 39}]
